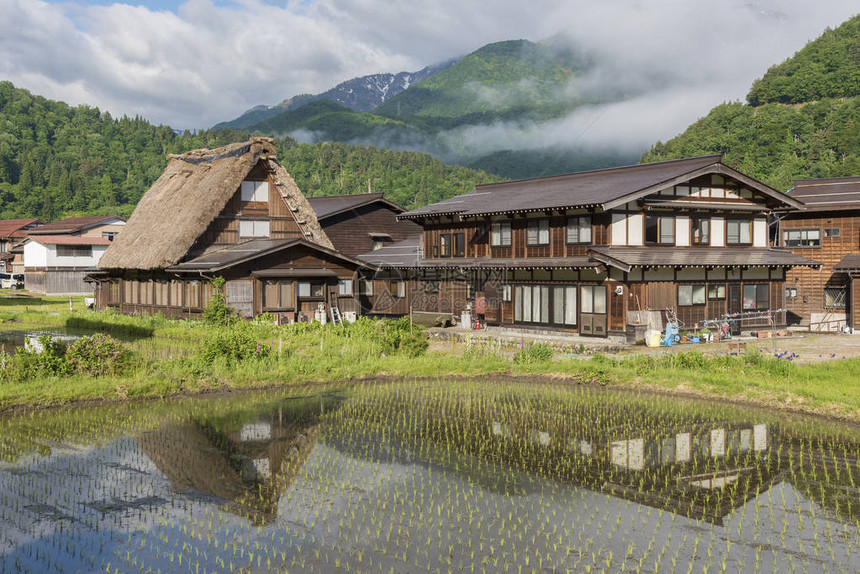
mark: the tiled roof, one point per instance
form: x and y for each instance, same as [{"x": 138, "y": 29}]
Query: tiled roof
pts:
[
  {"x": 329, "y": 206},
  {"x": 605, "y": 188},
  {"x": 827, "y": 194},
  {"x": 236, "y": 254},
  {"x": 72, "y": 224},
  {"x": 13, "y": 227},
  {"x": 848, "y": 263},
  {"x": 628, "y": 257},
  {"x": 69, "y": 240}
]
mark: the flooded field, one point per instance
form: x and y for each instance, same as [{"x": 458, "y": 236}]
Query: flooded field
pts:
[{"x": 459, "y": 477}]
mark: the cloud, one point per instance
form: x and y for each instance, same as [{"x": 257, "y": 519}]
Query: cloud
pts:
[{"x": 207, "y": 62}]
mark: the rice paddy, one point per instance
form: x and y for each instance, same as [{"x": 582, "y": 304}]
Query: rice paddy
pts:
[{"x": 489, "y": 476}]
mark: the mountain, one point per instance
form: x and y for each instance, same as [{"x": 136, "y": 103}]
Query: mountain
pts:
[
  {"x": 358, "y": 94},
  {"x": 510, "y": 86},
  {"x": 57, "y": 160},
  {"x": 801, "y": 119}
]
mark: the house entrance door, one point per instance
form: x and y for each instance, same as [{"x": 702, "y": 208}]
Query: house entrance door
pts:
[
  {"x": 592, "y": 310},
  {"x": 735, "y": 306}
]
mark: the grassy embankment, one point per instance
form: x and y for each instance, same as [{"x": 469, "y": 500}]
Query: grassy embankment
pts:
[{"x": 167, "y": 357}]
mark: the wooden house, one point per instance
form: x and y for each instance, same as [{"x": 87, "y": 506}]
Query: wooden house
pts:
[
  {"x": 363, "y": 222},
  {"x": 581, "y": 252},
  {"x": 12, "y": 232},
  {"x": 58, "y": 256},
  {"x": 827, "y": 229},
  {"x": 232, "y": 212}
]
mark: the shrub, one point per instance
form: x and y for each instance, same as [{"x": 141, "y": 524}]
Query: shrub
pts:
[
  {"x": 537, "y": 353},
  {"x": 98, "y": 354},
  {"x": 29, "y": 363},
  {"x": 217, "y": 311},
  {"x": 232, "y": 345},
  {"x": 397, "y": 336}
]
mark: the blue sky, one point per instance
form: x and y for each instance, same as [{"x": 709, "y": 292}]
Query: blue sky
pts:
[{"x": 194, "y": 63}]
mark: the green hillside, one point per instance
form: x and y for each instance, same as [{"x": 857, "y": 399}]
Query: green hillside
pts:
[
  {"x": 516, "y": 76},
  {"x": 802, "y": 118},
  {"x": 58, "y": 160}
]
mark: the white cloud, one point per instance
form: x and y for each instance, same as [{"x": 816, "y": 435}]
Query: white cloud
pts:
[{"x": 208, "y": 62}]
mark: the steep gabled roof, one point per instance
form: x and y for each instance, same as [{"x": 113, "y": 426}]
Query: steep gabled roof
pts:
[
  {"x": 832, "y": 194},
  {"x": 604, "y": 188},
  {"x": 73, "y": 224},
  {"x": 331, "y": 205},
  {"x": 15, "y": 227},
  {"x": 194, "y": 188}
]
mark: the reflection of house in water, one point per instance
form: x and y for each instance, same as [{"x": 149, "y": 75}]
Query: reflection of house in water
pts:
[{"x": 247, "y": 458}]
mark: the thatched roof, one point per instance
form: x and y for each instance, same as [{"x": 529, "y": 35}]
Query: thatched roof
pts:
[{"x": 190, "y": 194}]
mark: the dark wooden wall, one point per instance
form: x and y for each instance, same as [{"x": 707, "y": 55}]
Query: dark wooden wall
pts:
[
  {"x": 810, "y": 283},
  {"x": 350, "y": 232}
]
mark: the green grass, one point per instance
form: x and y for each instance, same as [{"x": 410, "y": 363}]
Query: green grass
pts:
[{"x": 170, "y": 359}]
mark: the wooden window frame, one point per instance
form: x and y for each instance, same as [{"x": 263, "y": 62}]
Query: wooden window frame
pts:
[
  {"x": 661, "y": 220},
  {"x": 696, "y": 222},
  {"x": 500, "y": 234},
  {"x": 693, "y": 287},
  {"x": 536, "y": 226},
  {"x": 578, "y": 224},
  {"x": 758, "y": 287},
  {"x": 739, "y": 220},
  {"x": 800, "y": 242},
  {"x": 717, "y": 297}
]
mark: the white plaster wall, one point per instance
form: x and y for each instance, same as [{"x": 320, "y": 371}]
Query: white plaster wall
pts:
[
  {"x": 682, "y": 231},
  {"x": 35, "y": 254},
  {"x": 55, "y": 260},
  {"x": 619, "y": 229},
  {"x": 760, "y": 238},
  {"x": 635, "y": 224},
  {"x": 718, "y": 232}
]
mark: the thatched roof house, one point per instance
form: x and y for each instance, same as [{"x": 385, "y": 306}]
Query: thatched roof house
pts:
[
  {"x": 236, "y": 213},
  {"x": 190, "y": 194}
]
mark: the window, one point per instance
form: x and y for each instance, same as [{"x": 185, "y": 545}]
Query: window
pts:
[
  {"x": 700, "y": 231},
  {"x": 431, "y": 287},
  {"x": 802, "y": 237},
  {"x": 834, "y": 297},
  {"x": 659, "y": 229},
  {"x": 689, "y": 295},
  {"x": 365, "y": 287},
  {"x": 109, "y": 235},
  {"x": 445, "y": 245},
  {"x": 255, "y": 191},
  {"x": 376, "y": 243},
  {"x": 308, "y": 290},
  {"x": 791, "y": 292},
  {"x": 564, "y": 305},
  {"x": 74, "y": 250},
  {"x": 459, "y": 245},
  {"x": 579, "y": 229},
  {"x": 594, "y": 299},
  {"x": 756, "y": 297},
  {"x": 253, "y": 228},
  {"x": 537, "y": 232},
  {"x": 344, "y": 287},
  {"x": 832, "y": 232},
  {"x": 717, "y": 292},
  {"x": 398, "y": 289},
  {"x": 500, "y": 234},
  {"x": 278, "y": 294},
  {"x": 507, "y": 294},
  {"x": 531, "y": 303},
  {"x": 738, "y": 232},
  {"x": 304, "y": 289}
]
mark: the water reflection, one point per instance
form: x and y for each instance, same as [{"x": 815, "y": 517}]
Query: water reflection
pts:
[{"x": 428, "y": 479}]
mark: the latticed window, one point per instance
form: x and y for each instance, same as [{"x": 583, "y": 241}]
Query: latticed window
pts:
[{"x": 834, "y": 297}]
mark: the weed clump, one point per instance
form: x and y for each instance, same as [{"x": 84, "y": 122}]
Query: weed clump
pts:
[
  {"x": 96, "y": 355},
  {"x": 534, "y": 354}
]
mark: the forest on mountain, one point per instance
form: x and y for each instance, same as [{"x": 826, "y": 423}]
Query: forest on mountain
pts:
[
  {"x": 801, "y": 119},
  {"x": 59, "y": 161}
]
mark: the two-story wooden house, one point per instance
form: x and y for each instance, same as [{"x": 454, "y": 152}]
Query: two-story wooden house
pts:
[
  {"x": 579, "y": 252},
  {"x": 827, "y": 229},
  {"x": 232, "y": 212}
]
